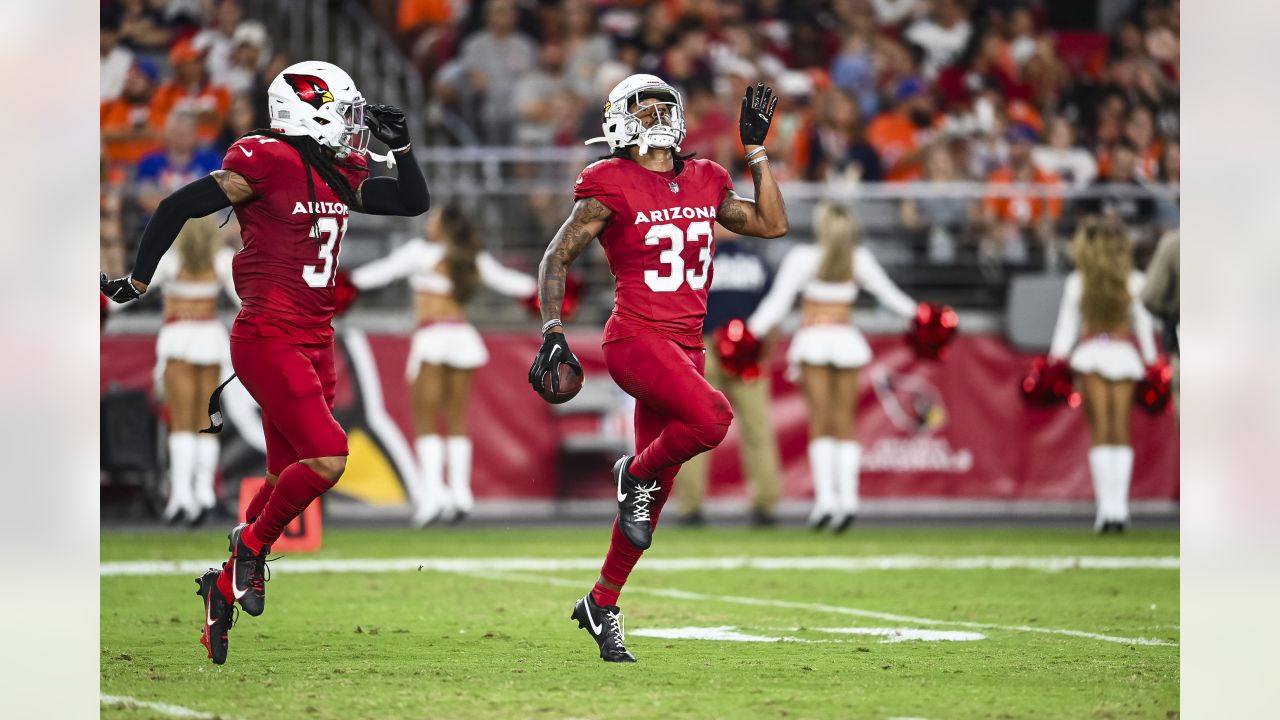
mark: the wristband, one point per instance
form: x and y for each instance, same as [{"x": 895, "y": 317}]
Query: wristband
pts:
[
  {"x": 755, "y": 152},
  {"x": 400, "y": 150},
  {"x": 758, "y": 160},
  {"x": 555, "y": 322}
]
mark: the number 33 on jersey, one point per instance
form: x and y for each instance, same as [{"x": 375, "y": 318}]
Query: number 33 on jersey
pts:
[
  {"x": 291, "y": 241},
  {"x": 659, "y": 242}
]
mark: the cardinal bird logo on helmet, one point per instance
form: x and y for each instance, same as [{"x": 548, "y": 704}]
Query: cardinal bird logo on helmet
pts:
[{"x": 310, "y": 89}]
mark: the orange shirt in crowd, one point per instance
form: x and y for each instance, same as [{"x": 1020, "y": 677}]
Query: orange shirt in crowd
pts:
[
  {"x": 895, "y": 137},
  {"x": 211, "y": 104},
  {"x": 1023, "y": 209},
  {"x": 411, "y": 14},
  {"x": 1148, "y": 162},
  {"x": 119, "y": 116}
]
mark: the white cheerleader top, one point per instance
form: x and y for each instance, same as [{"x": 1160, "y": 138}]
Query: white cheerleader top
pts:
[
  {"x": 419, "y": 260},
  {"x": 798, "y": 276},
  {"x": 166, "y": 278},
  {"x": 1067, "y": 329}
]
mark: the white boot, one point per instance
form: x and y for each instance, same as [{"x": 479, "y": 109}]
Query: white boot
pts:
[
  {"x": 1122, "y": 474},
  {"x": 431, "y": 497},
  {"x": 822, "y": 465},
  {"x": 182, "y": 469},
  {"x": 458, "y": 449},
  {"x": 848, "y": 464},
  {"x": 206, "y": 469},
  {"x": 1100, "y": 472}
]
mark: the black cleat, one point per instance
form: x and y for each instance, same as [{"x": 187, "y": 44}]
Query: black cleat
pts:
[
  {"x": 248, "y": 572},
  {"x": 634, "y": 501},
  {"x": 692, "y": 519},
  {"x": 605, "y": 626},
  {"x": 218, "y": 616},
  {"x": 762, "y": 518},
  {"x": 844, "y": 523}
]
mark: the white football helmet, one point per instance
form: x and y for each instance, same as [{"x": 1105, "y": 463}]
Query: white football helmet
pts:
[
  {"x": 623, "y": 128},
  {"x": 320, "y": 100}
]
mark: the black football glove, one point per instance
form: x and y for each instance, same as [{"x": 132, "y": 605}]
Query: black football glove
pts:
[
  {"x": 387, "y": 123},
  {"x": 554, "y": 352},
  {"x": 757, "y": 114},
  {"x": 121, "y": 290}
]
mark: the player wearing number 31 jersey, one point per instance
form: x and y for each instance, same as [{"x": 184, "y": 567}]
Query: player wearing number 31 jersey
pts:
[
  {"x": 293, "y": 188},
  {"x": 653, "y": 210}
]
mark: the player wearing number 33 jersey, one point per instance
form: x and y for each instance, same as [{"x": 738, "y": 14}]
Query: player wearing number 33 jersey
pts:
[
  {"x": 293, "y": 187},
  {"x": 654, "y": 212}
]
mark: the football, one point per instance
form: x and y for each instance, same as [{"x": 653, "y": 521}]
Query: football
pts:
[{"x": 570, "y": 384}]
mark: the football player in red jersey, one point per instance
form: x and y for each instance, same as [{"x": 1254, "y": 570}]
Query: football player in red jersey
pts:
[
  {"x": 292, "y": 187},
  {"x": 652, "y": 209}
]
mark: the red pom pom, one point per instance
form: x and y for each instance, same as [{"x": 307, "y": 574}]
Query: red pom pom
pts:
[
  {"x": 344, "y": 292},
  {"x": 569, "y": 306},
  {"x": 1049, "y": 383},
  {"x": 1155, "y": 390},
  {"x": 932, "y": 329},
  {"x": 738, "y": 350}
]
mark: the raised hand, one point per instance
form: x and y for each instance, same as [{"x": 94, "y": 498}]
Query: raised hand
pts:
[
  {"x": 388, "y": 124},
  {"x": 757, "y": 114}
]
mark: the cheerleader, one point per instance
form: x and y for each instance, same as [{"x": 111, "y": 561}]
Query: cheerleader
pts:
[
  {"x": 446, "y": 349},
  {"x": 829, "y": 350},
  {"x": 192, "y": 357},
  {"x": 1101, "y": 307}
]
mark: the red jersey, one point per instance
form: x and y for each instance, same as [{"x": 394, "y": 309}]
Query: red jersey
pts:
[
  {"x": 285, "y": 272},
  {"x": 659, "y": 243}
]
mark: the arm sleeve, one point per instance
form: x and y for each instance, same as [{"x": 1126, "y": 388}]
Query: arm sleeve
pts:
[
  {"x": 401, "y": 263},
  {"x": 222, "y": 263},
  {"x": 503, "y": 279},
  {"x": 1067, "y": 328},
  {"x": 406, "y": 195},
  {"x": 796, "y": 269},
  {"x": 197, "y": 199},
  {"x": 872, "y": 278},
  {"x": 1143, "y": 328}
]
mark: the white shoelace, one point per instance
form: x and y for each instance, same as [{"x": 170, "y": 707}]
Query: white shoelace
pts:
[
  {"x": 644, "y": 496},
  {"x": 614, "y": 621}
]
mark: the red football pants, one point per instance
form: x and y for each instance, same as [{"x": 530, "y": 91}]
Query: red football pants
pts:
[
  {"x": 678, "y": 415},
  {"x": 295, "y": 387}
]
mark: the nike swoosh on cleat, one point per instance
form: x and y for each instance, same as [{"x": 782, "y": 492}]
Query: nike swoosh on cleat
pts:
[
  {"x": 208, "y": 619},
  {"x": 595, "y": 629},
  {"x": 235, "y": 590},
  {"x": 622, "y": 497}
]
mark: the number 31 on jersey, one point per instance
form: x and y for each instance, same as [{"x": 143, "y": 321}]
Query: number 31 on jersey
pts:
[
  {"x": 671, "y": 257},
  {"x": 326, "y": 227}
]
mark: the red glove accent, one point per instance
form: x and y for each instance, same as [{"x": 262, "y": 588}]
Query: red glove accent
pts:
[
  {"x": 932, "y": 329},
  {"x": 738, "y": 350},
  {"x": 344, "y": 293},
  {"x": 1048, "y": 383},
  {"x": 1155, "y": 390}
]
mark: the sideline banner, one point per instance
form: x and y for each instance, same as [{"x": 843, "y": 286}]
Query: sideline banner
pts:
[{"x": 951, "y": 429}]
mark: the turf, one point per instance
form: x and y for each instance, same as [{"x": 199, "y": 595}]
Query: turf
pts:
[{"x": 449, "y": 645}]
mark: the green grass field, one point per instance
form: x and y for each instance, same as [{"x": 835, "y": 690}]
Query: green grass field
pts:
[{"x": 477, "y": 639}]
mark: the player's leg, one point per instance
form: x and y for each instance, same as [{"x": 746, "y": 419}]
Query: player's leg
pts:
[
  {"x": 208, "y": 377},
  {"x": 457, "y": 387},
  {"x": 848, "y": 451},
  {"x": 750, "y": 401},
  {"x": 428, "y": 393},
  {"x": 817, "y": 380},
  {"x": 1093, "y": 389},
  {"x": 691, "y": 480},
  {"x": 1120, "y": 407},
  {"x": 667, "y": 380},
  {"x": 180, "y": 389}
]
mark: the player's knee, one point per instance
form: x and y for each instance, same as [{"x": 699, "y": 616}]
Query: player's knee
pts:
[
  {"x": 331, "y": 468},
  {"x": 712, "y": 429}
]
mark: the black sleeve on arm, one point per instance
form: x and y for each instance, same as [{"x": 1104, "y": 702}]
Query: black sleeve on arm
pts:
[
  {"x": 194, "y": 200},
  {"x": 406, "y": 195}
]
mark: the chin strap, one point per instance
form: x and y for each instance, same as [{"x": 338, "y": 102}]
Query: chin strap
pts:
[{"x": 389, "y": 158}]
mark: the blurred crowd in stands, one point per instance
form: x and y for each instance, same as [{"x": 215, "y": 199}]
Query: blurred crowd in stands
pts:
[{"x": 1076, "y": 94}]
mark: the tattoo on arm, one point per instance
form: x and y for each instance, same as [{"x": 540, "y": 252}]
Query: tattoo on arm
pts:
[
  {"x": 587, "y": 221},
  {"x": 733, "y": 212},
  {"x": 234, "y": 185}
]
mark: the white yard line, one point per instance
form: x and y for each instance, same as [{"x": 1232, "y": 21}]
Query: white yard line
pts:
[
  {"x": 832, "y": 609},
  {"x": 521, "y": 564},
  {"x": 163, "y": 708}
]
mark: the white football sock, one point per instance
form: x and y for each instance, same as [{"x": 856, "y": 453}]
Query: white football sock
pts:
[
  {"x": 206, "y": 469},
  {"x": 458, "y": 448},
  {"x": 182, "y": 469},
  {"x": 822, "y": 465},
  {"x": 849, "y": 454},
  {"x": 430, "y": 494},
  {"x": 1122, "y": 473},
  {"x": 1100, "y": 471}
]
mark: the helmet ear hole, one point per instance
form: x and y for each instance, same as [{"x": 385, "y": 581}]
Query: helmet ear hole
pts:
[{"x": 320, "y": 121}]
